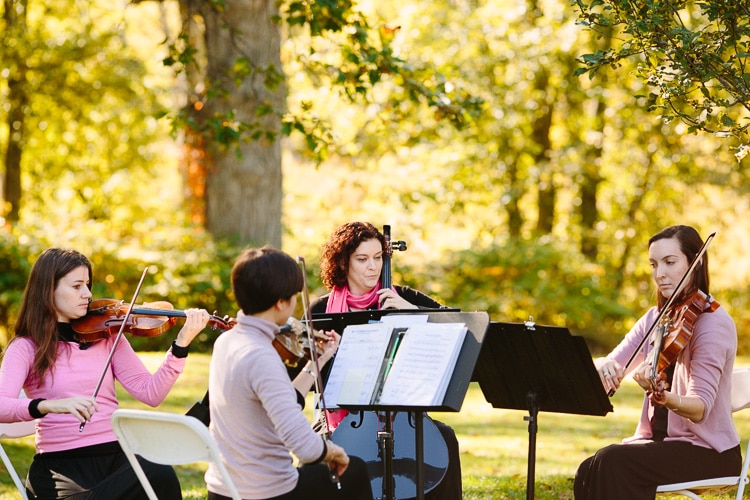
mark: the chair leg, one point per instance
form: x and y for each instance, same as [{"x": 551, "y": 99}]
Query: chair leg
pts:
[
  {"x": 142, "y": 476},
  {"x": 741, "y": 488},
  {"x": 13, "y": 475}
]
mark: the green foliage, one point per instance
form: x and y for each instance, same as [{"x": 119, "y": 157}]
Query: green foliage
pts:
[
  {"x": 91, "y": 141},
  {"x": 14, "y": 260},
  {"x": 344, "y": 52},
  {"x": 100, "y": 170},
  {"x": 518, "y": 280},
  {"x": 693, "y": 55}
]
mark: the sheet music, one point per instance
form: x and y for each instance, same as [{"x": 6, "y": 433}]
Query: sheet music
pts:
[
  {"x": 423, "y": 365},
  {"x": 357, "y": 364},
  {"x": 404, "y": 320}
]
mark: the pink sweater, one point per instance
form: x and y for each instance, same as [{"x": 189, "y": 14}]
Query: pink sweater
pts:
[
  {"x": 76, "y": 373},
  {"x": 703, "y": 369},
  {"x": 255, "y": 417}
]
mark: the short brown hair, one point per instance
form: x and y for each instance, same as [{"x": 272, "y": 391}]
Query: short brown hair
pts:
[{"x": 263, "y": 276}]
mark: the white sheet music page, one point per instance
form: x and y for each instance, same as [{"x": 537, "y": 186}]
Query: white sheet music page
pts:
[
  {"x": 357, "y": 364},
  {"x": 423, "y": 366}
]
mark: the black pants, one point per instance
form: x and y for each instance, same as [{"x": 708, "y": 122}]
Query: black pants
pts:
[
  {"x": 451, "y": 487},
  {"x": 633, "y": 471},
  {"x": 101, "y": 476},
  {"x": 315, "y": 484}
]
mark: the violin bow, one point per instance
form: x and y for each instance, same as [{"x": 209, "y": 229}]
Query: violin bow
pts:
[
  {"x": 117, "y": 340},
  {"x": 307, "y": 313},
  {"x": 672, "y": 298}
]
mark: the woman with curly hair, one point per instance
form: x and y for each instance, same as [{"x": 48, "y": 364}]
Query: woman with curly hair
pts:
[{"x": 351, "y": 267}]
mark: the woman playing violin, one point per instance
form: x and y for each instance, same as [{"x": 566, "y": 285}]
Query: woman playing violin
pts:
[
  {"x": 686, "y": 431},
  {"x": 256, "y": 412},
  {"x": 351, "y": 267},
  {"x": 59, "y": 375}
]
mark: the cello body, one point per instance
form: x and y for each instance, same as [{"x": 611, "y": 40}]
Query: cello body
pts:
[{"x": 358, "y": 433}]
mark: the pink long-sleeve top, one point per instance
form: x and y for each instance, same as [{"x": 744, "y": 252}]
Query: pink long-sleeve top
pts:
[
  {"x": 703, "y": 369},
  {"x": 256, "y": 419},
  {"x": 76, "y": 373}
]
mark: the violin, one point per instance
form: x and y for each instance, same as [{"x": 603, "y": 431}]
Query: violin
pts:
[
  {"x": 293, "y": 345},
  {"x": 106, "y": 316},
  {"x": 675, "y": 329}
]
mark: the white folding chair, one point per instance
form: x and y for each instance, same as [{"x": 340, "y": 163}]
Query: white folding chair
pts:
[
  {"x": 166, "y": 438},
  {"x": 721, "y": 485},
  {"x": 12, "y": 431}
]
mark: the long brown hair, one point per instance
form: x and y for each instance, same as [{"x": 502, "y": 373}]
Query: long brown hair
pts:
[
  {"x": 37, "y": 318},
  {"x": 690, "y": 244}
]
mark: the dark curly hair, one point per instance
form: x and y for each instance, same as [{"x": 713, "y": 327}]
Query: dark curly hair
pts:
[{"x": 334, "y": 262}]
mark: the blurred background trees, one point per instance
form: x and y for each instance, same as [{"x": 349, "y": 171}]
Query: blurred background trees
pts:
[
  {"x": 521, "y": 187},
  {"x": 691, "y": 54}
]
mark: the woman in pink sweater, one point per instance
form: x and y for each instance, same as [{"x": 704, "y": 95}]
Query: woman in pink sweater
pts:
[
  {"x": 686, "y": 430},
  {"x": 59, "y": 375}
]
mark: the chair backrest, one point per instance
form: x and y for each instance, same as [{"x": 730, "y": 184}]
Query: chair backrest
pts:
[
  {"x": 720, "y": 485},
  {"x": 740, "y": 389},
  {"x": 17, "y": 429},
  {"x": 166, "y": 438},
  {"x": 12, "y": 431}
]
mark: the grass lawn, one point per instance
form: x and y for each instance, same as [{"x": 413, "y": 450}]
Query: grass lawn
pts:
[{"x": 494, "y": 443}]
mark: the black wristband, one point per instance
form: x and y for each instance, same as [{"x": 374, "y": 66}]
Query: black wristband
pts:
[
  {"x": 325, "y": 452},
  {"x": 34, "y": 408},
  {"x": 179, "y": 351}
]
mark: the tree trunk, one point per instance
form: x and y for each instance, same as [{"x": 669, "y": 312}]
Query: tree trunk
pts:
[
  {"x": 15, "y": 19},
  {"x": 590, "y": 177},
  {"x": 541, "y": 127},
  {"x": 513, "y": 207},
  {"x": 243, "y": 181}
]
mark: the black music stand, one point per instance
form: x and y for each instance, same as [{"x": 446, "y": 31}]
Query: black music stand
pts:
[
  {"x": 524, "y": 366},
  {"x": 476, "y": 323}
]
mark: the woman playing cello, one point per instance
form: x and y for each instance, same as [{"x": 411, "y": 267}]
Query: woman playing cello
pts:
[
  {"x": 59, "y": 375},
  {"x": 351, "y": 267},
  {"x": 686, "y": 430}
]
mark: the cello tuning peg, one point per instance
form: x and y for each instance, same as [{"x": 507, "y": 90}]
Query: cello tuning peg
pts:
[{"x": 529, "y": 323}]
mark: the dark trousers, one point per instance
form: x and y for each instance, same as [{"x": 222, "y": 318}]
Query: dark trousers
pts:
[
  {"x": 106, "y": 477},
  {"x": 315, "y": 483},
  {"x": 633, "y": 471},
  {"x": 451, "y": 487}
]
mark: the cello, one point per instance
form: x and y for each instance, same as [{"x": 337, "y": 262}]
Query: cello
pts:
[{"x": 386, "y": 440}]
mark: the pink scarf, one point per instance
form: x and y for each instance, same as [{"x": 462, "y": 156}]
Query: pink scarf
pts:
[{"x": 341, "y": 300}]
